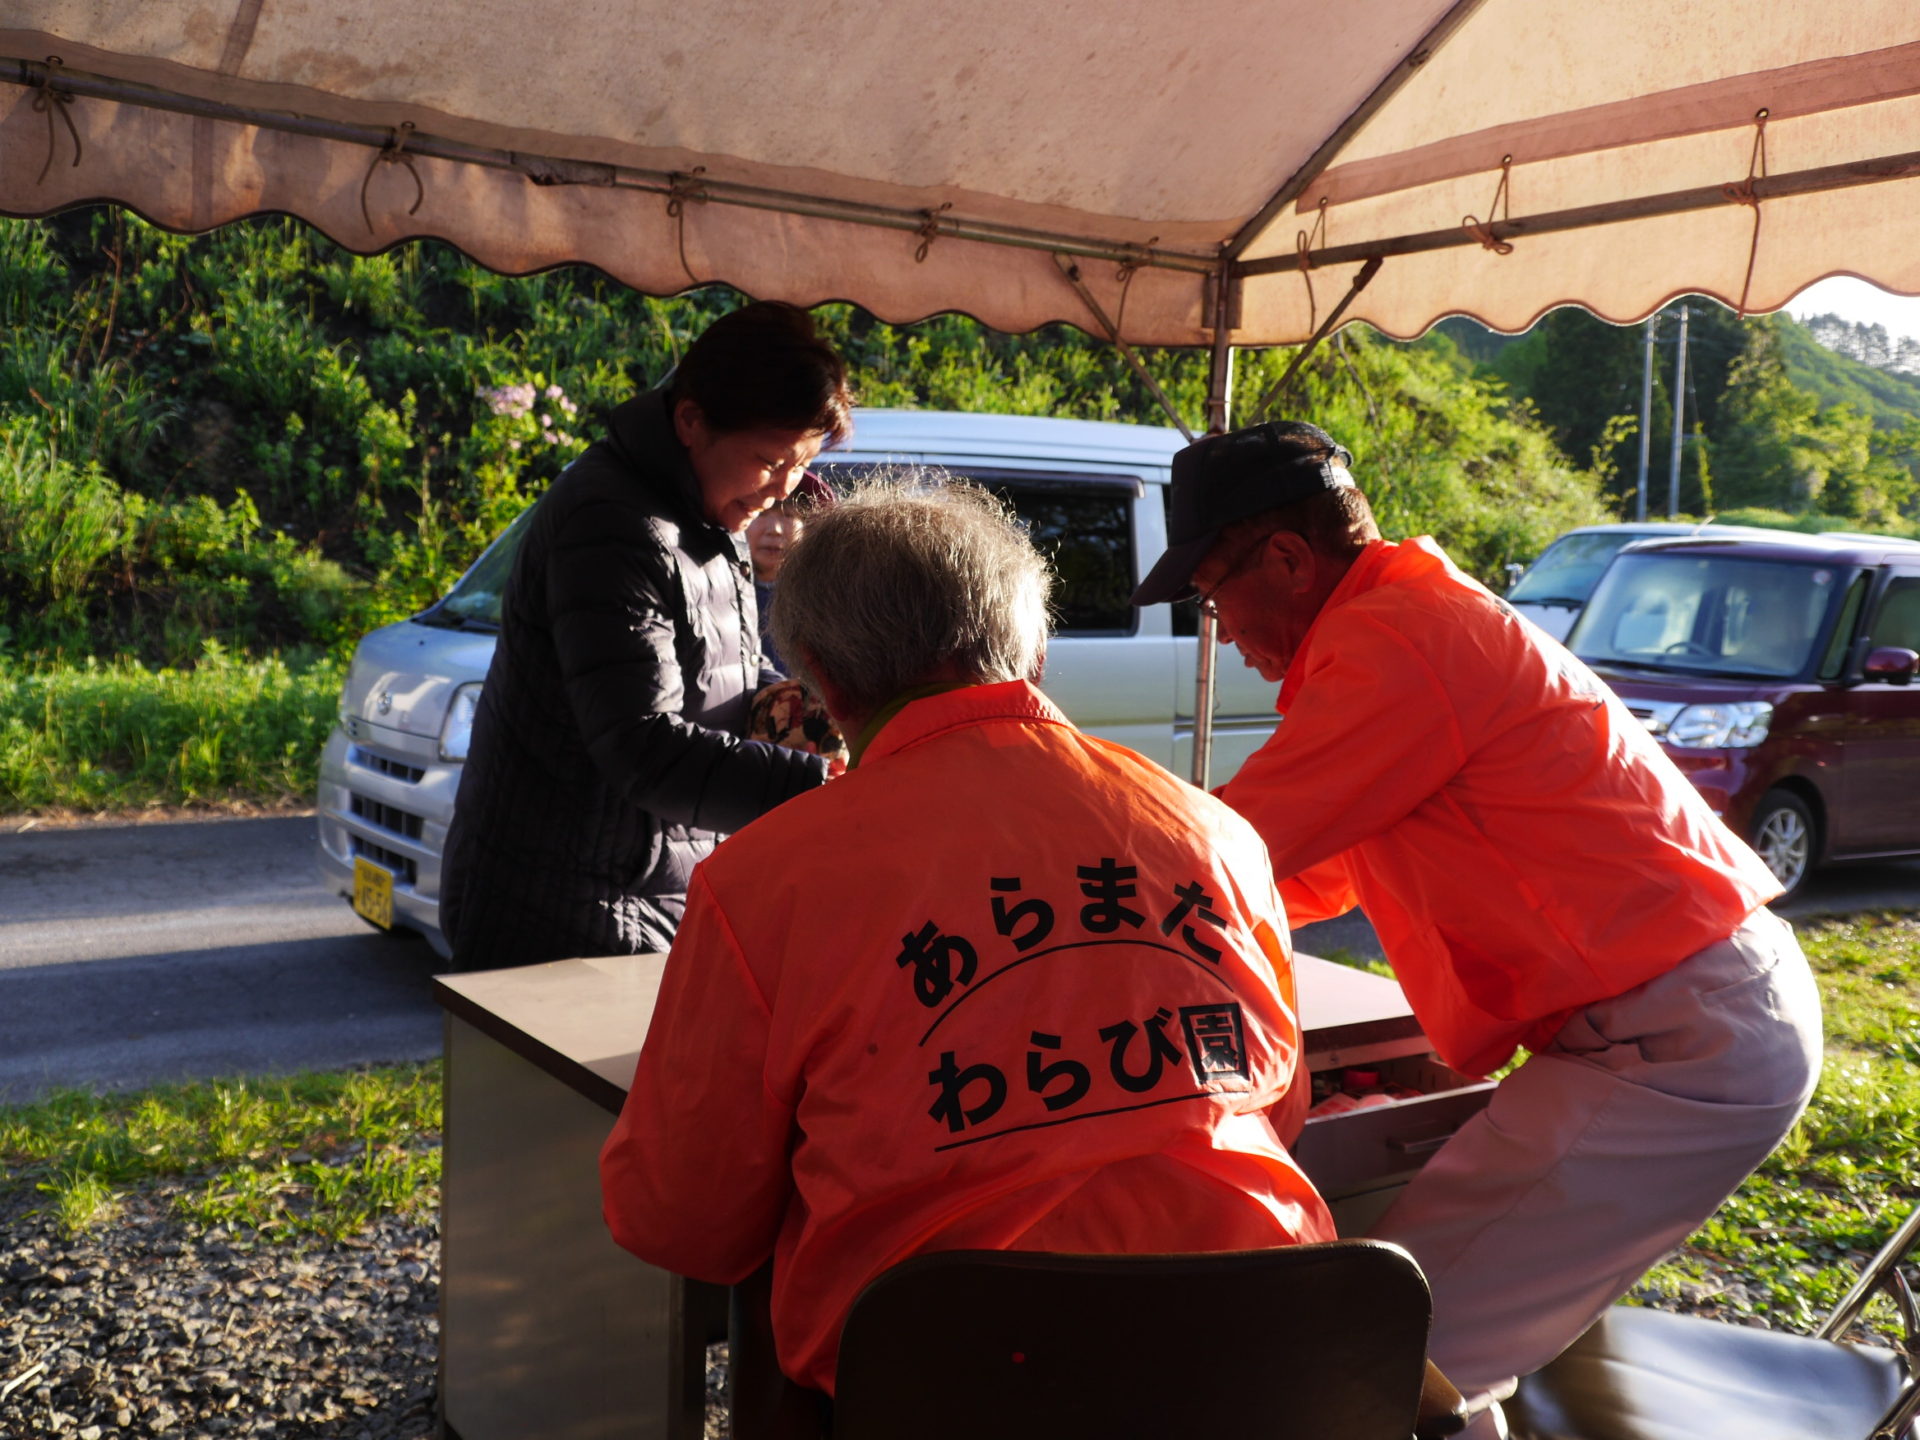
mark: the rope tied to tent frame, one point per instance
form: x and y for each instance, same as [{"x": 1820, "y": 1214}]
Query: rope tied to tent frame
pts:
[
  {"x": 394, "y": 152},
  {"x": 1123, "y": 273},
  {"x": 1303, "y": 249},
  {"x": 1070, "y": 269},
  {"x": 1744, "y": 193},
  {"x": 1503, "y": 203},
  {"x": 49, "y": 99},
  {"x": 929, "y": 230},
  {"x": 685, "y": 187}
]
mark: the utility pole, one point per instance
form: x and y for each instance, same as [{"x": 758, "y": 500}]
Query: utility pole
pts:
[
  {"x": 1679, "y": 406},
  {"x": 1646, "y": 419}
]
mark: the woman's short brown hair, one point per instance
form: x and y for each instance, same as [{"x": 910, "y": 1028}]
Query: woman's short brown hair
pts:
[{"x": 762, "y": 367}]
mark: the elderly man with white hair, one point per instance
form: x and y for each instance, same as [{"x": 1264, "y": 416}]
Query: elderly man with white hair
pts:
[{"x": 1001, "y": 986}]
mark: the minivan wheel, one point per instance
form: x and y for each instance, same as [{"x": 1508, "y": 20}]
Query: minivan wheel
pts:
[{"x": 1783, "y": 836}]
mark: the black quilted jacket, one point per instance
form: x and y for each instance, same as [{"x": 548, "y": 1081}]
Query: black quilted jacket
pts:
[{"x": 606, "y": 759}]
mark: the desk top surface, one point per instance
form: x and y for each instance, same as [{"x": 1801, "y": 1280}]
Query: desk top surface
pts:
[{"x": 582, "y": 1021}]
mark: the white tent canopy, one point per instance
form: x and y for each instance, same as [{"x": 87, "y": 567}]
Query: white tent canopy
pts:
[{"x": 1501, "y": 156}]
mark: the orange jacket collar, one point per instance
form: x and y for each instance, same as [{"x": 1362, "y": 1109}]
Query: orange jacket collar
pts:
[
  {"x": 956, "y": 709},
  {"x": 1375, "y": 565}
]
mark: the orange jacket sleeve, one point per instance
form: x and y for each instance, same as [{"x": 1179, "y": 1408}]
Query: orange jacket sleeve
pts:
[
  {"x": 1369, "y": 734},
  {"x": 695, "y": 1177},
  {"x": 1319, "y": 892}
]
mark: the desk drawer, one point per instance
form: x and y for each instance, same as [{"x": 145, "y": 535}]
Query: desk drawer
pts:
[{"x": 1385, "y": 1145}]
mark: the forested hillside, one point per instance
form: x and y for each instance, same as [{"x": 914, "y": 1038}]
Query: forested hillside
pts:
[
  {"x": 1777, "y": 426},
  {"x": 258, "y": 439}
]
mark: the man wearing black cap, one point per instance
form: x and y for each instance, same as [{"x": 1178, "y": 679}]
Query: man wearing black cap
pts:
[{"x": 1540, "y": 876}]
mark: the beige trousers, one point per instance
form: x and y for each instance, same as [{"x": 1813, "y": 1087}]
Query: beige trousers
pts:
[{"x": 1606, "y": 1149}]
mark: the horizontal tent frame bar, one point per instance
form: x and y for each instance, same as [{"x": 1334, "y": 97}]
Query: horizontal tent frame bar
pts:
[
  {"x": 1761, "y": 188},
  {"x": 554, "y": 170},
  {"x": 547, "y": 170}
]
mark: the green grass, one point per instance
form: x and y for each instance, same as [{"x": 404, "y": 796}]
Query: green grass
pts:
[
  {"x": 93, "y": 736},
  {"x": 316, "y": 1156},
  {"x": 1795, "y": 1234}
]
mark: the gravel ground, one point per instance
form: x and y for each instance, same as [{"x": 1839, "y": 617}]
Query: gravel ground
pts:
[{"x": 141, "y": 1328}]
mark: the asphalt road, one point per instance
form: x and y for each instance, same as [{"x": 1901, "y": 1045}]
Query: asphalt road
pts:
[{"x": 131, "y": 954}]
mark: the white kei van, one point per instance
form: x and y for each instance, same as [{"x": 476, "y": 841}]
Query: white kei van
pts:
[{"x": 1093, "y": 495}]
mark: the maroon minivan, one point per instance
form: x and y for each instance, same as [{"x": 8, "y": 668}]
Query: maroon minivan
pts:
[{"x": 1778, "y": 672}]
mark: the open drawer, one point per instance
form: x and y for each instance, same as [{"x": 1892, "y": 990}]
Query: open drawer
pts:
[{"x": 1360, "y": 1159}]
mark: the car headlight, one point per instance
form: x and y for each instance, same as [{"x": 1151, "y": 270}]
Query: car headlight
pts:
[
  {"x": 456, "y": 731},
  {"x": 1737, "y": 725}
]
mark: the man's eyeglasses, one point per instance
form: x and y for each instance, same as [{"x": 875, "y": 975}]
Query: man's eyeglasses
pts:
[{"x": 1247, "y": 552}]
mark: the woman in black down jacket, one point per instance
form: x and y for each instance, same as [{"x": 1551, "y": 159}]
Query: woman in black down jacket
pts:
[{"x": 607, "y": 757}]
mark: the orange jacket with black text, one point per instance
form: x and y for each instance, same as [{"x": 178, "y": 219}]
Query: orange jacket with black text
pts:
[
  {"x": 1001, "y": 986},
  {"x": 1520, "y": 843}
]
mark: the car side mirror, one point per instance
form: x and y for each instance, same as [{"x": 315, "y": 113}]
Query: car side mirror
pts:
[{"x": 1892, "y": 665}]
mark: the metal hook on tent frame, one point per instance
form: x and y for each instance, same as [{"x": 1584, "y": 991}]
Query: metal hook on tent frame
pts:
[
  {"x": 1071, "y": 271},
  {"x": 1744, "y": 193},
  {"x": 49, "y": 98},
  {"x": 394, "y": 152},
  {"x": 1502, "y": 202},
  {"x": 1279, "y": 388}
]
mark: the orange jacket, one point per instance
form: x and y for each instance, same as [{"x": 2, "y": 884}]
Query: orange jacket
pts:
[
  {"x": 1001, "y": 986},
  {"x": 1518, "y": 840}
]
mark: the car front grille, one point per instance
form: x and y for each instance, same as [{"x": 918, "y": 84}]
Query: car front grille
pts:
[
  {"x": 403, "y": 868},
  {"x": 394, "y": 769},
  {"x": 387, "y": 817}
]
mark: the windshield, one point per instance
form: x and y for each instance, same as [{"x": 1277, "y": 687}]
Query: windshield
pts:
[
  {"x": 1568, "y": 569},
  {"x": 475, "y": 598},
  {"x": 1706, "y": 614}
]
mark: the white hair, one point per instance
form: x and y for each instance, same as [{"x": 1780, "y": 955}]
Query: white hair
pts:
[{"x": 911, "y": 575}]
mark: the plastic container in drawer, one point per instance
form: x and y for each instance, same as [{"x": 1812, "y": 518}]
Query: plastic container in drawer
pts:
[{"x": 1384, "y": 1145}]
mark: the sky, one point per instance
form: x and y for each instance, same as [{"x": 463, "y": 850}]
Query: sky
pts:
[{"x": 1861, "y": 302}]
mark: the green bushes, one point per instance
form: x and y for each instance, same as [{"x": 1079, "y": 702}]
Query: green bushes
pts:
[
  {"x": 92, "y": 735},
  {"x": 258, "y": 438},
  {"x": 1437, "y": 450}
]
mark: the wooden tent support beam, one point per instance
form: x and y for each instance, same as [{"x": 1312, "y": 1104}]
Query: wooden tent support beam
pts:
[
  {"x": 1612, "y": 212},
  {"x": 1072, "y": 271},
  {"x": 1279, "y": 388},
  {"x": 556, "y": 170}
]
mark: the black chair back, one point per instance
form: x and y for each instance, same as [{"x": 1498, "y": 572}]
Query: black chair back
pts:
[{"x": 1309, "y": 1342}]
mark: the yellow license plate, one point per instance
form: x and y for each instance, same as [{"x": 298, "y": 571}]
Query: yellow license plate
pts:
[{"x": 373, "y": 892}]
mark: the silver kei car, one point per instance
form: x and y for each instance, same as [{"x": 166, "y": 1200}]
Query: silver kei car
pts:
[{"x": 1092, "y": 495}]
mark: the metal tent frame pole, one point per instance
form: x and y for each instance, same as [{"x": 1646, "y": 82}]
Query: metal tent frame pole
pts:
[{"x": 1219, "y": 421}]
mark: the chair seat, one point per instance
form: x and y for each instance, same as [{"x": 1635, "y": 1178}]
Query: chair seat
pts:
[{"x": 1649, "y": 1375}]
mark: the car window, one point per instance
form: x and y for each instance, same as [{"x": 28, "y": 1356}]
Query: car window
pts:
[
  {"x": 1086, "y": 531},
  {"x": 475, "y": 597},
  {"x": 1568, "y": 569},
  {"x": 1083, "y": 524},
  {"x": 1835, "y": 660},
  {"x": 1897, "y": 621},
  {"x": 1705, "y": 614}
]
